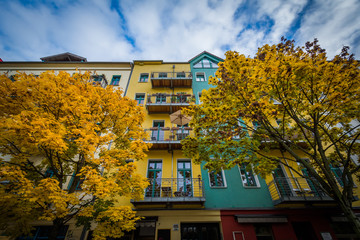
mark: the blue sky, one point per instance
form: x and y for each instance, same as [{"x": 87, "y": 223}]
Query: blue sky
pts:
[{"x": 171, "y": 30}]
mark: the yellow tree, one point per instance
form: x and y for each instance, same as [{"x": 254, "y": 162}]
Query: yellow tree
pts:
[
  {"x": 64, "y": 144},
  {"x": 293, "y": 99}
]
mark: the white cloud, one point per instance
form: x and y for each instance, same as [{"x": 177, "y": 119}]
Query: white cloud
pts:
[
  {"x": 89, "y": 29},
  {"x": 168, "y": 29},
  {"x": 335, "y": 23}
]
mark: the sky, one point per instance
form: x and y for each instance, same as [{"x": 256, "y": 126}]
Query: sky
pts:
[{"x": 171, "y": 30}]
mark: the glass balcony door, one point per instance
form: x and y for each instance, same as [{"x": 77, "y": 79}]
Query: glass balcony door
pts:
[
  {"x": 158, "y": 134},
  {"x": 154, "y": 176},
  {"x": 184, "y": 178}
]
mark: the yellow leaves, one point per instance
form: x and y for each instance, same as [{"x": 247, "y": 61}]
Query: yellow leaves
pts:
[
  {"x": 114, "y": 221},
  {"x": 87, "y": 211},
  {"x": 64, "y": 123}
]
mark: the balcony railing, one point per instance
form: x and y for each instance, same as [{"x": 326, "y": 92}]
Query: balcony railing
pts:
[
  {"x": 167, "y": 138},
  {"x": 174, "y": 190},
  {"x": 284, "y": 189},
  {"x": 168, "y": 103},
  {"x": 171, "y": 79}
]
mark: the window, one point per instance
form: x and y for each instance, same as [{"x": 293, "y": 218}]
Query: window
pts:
[
  {"x": 158, "y": 134},
  {"x": 115, "y": 80},
  {"x": 49, "y": 173},
  {"x": 200, "y": 77},
  {"x": 184, "y": 178},
  {"x": 209, "y": 231},
  {"x": 78, "y": 185},
  {"x": 162, "y": 75},
  {"x": 182, "y": 133},
  {"x": 181, "y": 97},
  {"x": 206, "y": 63},
  {"x": 154, "y": 177},
  {"x": 42, "y": 232},
  {"x": 278, "y": 121},
  {"x": 200, "y": 94},
  {"x": 180, "y": 75},
  {"x": 161, "y": 98},
  {"x": 247, "y": 176},
  {"x": 140, "y": 98},
  {"x": 217, "y": 179},
  {"x": 144, "y": 77},
  {"x": 263, "y": 231},
  {"x": 99, "y": 80},
  {"x": 256, "y": 125}
]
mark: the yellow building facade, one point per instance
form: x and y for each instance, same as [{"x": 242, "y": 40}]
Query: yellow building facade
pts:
[{"x": 173, "y": 204}]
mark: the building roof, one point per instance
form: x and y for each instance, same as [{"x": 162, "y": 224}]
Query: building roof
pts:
[
  {"x": 64, "y": 57},
  {"x": 205, "y": 52}
]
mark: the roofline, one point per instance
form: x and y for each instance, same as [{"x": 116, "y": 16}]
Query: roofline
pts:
[
  {"x": 55, "y": 62},
  {"x": 158, "y": 61},
  {"x": 65, "y": 53},
  {"x": 206, "y": 53}
]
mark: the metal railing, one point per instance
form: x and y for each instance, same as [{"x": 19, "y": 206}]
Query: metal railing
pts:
[
  {"x": 175, "y": 188},
  {"x": 171, "y": 75},
  {"x": 165, "y": 99},
  {"x": 169, "y": 134},
  {"x": 296, "y": 189}
]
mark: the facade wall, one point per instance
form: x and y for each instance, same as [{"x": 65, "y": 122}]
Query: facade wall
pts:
[
  {"x": 168, "y": 218},
  {"x": 317, "y": 219},
  {"x": 234, "y": 194},
  {"x": 222, "y": 204},
  {"x": 109, "y": 69}
]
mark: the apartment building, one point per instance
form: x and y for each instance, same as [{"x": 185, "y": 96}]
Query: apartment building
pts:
[{"x": 183, "y": 200}]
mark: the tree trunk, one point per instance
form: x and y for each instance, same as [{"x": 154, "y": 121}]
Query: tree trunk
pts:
[
  {"x": 350, "y": 215},
  {"x": 56, "y": 228}
]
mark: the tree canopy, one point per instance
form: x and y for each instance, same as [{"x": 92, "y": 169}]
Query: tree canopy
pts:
[
  {"x": 289, "y": 98},
  {"x": 65, "y": 145}
]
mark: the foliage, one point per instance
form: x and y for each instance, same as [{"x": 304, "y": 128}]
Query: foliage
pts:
[
  {"x": 288, "y": 98},
  {"x": 57, "y": 163}
]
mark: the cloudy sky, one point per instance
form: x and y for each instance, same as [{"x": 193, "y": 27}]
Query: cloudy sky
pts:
[{"x": 171, "y": 30}]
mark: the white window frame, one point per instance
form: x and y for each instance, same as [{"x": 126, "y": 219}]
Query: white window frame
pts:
[
  {"x": 255, "y": 177},
  {"x": 202, "y": 73},
  {"x": 224, "y": 179}
]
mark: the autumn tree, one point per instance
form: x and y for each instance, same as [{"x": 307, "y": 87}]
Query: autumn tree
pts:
[
  {"x": 64, "y": 144},
  {"x": 290, "y": 98}
]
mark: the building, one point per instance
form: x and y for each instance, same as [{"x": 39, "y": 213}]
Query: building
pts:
[
  {"x": 102, "y": 73},
  {"x": 174, "y": 201},
  {"x": 184, "y": 201}
]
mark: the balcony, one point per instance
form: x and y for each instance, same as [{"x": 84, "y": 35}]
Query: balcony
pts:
[
  {"x": 167, "y": 138},
  {"x": 167, "y": 192},
  {"x": 171, "y": 79},
  {"x": 284, "y": 190},
  {"x": 168, "y": 103}
]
